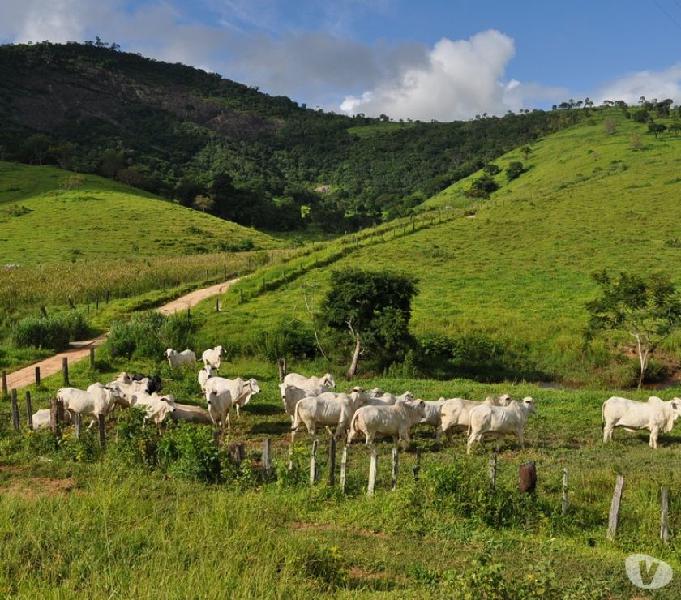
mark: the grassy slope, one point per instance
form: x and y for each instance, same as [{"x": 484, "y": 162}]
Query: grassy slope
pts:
[
  {"x": 520, "y": 269},
  {"x": 101, "y": 219}
]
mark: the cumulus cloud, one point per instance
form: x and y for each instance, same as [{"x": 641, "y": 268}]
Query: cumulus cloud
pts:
[
  {"x": 459, "y": 79},
  {"x": 651, "y": 84}
]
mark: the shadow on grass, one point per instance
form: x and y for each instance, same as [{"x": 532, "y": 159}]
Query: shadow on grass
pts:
[
  {"x": 272, "y": 427},
  {"x": 263, "y": 409}
]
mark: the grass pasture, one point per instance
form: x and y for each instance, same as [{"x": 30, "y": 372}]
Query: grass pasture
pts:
[{"x": 100, "y": 525}]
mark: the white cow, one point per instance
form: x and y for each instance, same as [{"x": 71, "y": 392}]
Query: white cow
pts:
[
  {"x": 204, "y": 375},
  {"x": 377, "y": 397},
  {"x": 212, "y": 357},
  {"x": 393, "y": 420},
  {"x": 222, "y": 394},
  {"x": 327, "y": 409},
  {"x": 656, "y": 416},
  {"x": 157, "y": 407},
  {"x": 455, "y": 412},
  {"x": 190, "y": 414},
  {"x": 97, "y": 400},
  {"x": 41, "y": 418},
  {"x": 179, "y": 359},
  {"x": 296, "y": 387},
  {"x": 434, "y": 415},
  {"x": 488, "y": 419},
  {"x": 129, "y": 387}
]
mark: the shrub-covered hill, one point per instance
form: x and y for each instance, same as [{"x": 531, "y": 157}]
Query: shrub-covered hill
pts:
[
  {"x": 508, "y": 279},
  {"x": 181, "y": 133},
  {"x": 49, "y": 215}
]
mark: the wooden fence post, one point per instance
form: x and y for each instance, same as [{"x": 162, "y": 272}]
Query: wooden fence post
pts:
[
  {"x": 65, "y": 370},
  {"x": 4, "y": 384},
  {"x": 281, "y": 367},
  {"x": 101, "y": 422},
  {"x": 332, "y": 461},
  {"x": 266, "y": 455},
  {"x": 216, "y": 437},
  {"x": 56, "y": 416},
  {"x": 37, "y": 376},
  {"x": 527, "y": 477},
  {"x": 313, "y": 462},
  {"x": 395, "y": 467},
  {"x": 76, "y": 424},
  {"x": 615, "y": 508},
  {"x": 564, "y": 503},
  {"x": 416, "y": 469},
  {"x": 343, "y": 467},
  {"x": 92, "y": 358},
  {"x": 236, "y": 453},
  {"x": 15, "y": 410},
  {"x": 373, "y": 466},
  {"x": 29, "y": 410},
  {"x": 493, "y": 471},
  {"x": 665, "y": 532}
]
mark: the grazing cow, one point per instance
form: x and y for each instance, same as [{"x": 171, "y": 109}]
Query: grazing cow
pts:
[
  {"x": 434, "y": 415},
  {"x": 222, "y": 394},
  {"x": 190, "y": 413},
  {"x": 327, "y": 409},
  {"x": 296, "y": 387},
  {"x": 455, "y": 412},
  {"x": 157, "y": 407},
  {"x": 41, "y": 418},
  {"x": 492, "y": 420},
  {"x": 204, "y": 375},
  {"x": 656, "y": 416},
  {"x": 97, "y": 400},
  {"x": 154, "y": 383},
  {"x": 129, "y": 387},
  {"x": 392, "y": 420},
  {"x": 180, "y": 359},
  {"x": 377, "y": 397},
  {"x": 212, "y": 357}
]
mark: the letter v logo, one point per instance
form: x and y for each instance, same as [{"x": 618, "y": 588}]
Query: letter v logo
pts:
[{"x": 647, "y": 572}]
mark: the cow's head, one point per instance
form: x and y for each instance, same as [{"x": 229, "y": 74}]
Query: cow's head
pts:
[
  {"x": 528, "y": 402},
  {"x": 328, "y": 381},
  {"x": 124, "y": 377},
  {"x": 376, "y": 392},
  {"x": 169, "y": 352},
  {"x": 218, "y": 349},
  {"x": 408, "y": 397},
  {"x": 255, "y": 388},
  {"x": 359, "y": 396},
  {"x": 504, "y": 399}
]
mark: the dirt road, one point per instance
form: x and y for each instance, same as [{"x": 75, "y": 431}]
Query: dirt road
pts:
[{"x": 81, "y": 350}]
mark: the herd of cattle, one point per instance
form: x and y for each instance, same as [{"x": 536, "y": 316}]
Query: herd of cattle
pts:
[{"x": 311, "y": 401}]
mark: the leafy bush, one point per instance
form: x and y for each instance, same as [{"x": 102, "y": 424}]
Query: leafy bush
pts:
[
  {"x": 288, "y": 339},
  {"x": 189, "y": 451},
  {"x": 514, "y": 170},
  {"x": 322, "y": 563},
  {"x": 148, "y": 335},
  {"x": 135, "y": 444},
  {"x": 482, "y": 187},
  {"x": 53, "y": 332}
]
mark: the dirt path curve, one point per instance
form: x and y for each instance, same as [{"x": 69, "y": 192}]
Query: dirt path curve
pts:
[{"x": 81, "y": 350}]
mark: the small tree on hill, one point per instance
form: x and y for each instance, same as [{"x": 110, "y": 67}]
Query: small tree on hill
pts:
[
  {"x": 482, "y": 187},
  {"x": 374, "y": 309},
  {"x": 514, "y": 170},
  {"x": 648, "y": 309},
  {"x": 656, "y": 129}
]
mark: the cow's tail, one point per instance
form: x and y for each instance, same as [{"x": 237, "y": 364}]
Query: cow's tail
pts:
[
  {"x": 296, "y": 417},
  {"x": 353, "y": 426},
  {"x": 603, "y": 417}
]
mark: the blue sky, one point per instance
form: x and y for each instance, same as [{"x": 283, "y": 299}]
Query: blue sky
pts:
[{"x": 420, "y": 59}]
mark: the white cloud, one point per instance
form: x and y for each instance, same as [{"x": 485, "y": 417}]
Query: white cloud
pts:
[
  {"x": 651, "y": 84},
  {"x": 460, "y": 79}
]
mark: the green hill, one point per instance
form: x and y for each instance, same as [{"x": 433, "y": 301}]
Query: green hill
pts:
[
  {"x": 51, "y": 215},
  {"x": 181, "y": 132},
  {"x": 510, "y": 276}
]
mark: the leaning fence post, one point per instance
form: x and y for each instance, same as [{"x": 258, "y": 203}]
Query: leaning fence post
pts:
[
  {"x": 37, "y": 376},
  {"x": 564, "y": 504},
  {"x": 395, "y": 467},
  {"x": 332, "y": 461},
  {"x": 493, "y": 471},
  {"x": 29, "y": 410},
  {"x": 266, "y": 454},
  {"x": 615, "y": 508},
  {"x": 373, "y": 466},
  {"x": 416, "y": 469},
  {"x": 101, "y": 422},
  {"x": 15, "y": 410},
  {"x": 313, "y": 462},
  {"x": 76, "y": 424},
  {"x": 65, "y": 370},
  {"x": 4, "y": 384},
  {"x": 665, "y": 532},
  {"x": 343, "y": 466}
]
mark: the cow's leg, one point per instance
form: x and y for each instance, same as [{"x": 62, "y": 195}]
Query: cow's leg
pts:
[
  {"x": 521, "y": 438},
  {"x": 652, "y": 442},
  {"x": 472, "y": 439},
  {"x": 237, "y": 411},
  {"x": 607, "y": 432}
]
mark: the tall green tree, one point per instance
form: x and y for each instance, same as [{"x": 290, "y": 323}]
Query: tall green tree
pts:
[
  {"x": 646, "y": 308},
  {"x": 370, "y": 309}
]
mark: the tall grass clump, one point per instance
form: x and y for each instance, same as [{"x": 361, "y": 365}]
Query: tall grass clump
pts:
[
  {"x": 147, "y": 335},
  {"x": 52, "y": 332}
]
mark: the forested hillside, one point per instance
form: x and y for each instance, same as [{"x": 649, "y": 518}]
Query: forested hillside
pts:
[{"x": 228, "y": 149}]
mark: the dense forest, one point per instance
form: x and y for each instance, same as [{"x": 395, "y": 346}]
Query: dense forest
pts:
[{"x": 229, "y": 149}]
